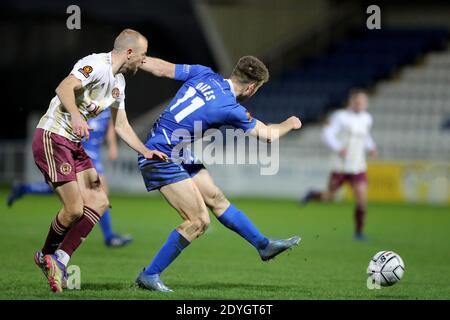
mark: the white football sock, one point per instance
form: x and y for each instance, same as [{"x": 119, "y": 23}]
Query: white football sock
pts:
[{"x": 62, "y": 256}]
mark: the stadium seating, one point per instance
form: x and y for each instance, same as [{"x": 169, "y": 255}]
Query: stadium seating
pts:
[
  {"x": 410, "y": 111},
  {"x": 411, "y": 114},
  {"x": 321, "y": 84}
]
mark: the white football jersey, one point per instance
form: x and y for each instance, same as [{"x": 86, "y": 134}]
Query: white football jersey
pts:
[
  {"x": 101, "y": 89},
  {"x": 350, "y": 130}
]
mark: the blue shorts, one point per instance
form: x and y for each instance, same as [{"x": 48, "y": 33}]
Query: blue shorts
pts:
[
  {"x": 157, "y": 174},
  {"x": 96, "y": 158}
]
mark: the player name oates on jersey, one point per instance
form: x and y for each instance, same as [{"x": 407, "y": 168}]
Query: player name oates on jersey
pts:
[
  {"x": 206, "y": 102},
  {"x": 207, "y": 91}
]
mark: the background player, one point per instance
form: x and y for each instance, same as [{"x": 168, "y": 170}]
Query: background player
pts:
[
  {"x": 348, "y": 136},
  {"x": 95, "y": 83},
  {"x": 207, "y": 98},
  {"x": 102, "y": 128}
]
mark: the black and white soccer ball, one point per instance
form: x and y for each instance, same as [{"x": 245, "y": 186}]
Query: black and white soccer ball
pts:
[{"x": 386, "y": 268}]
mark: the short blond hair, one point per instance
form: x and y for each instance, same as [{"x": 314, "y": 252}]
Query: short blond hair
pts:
[{"x": 128, "y": 38}]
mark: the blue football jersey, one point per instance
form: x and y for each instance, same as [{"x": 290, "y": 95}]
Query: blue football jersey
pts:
[
  {"x": 205, "y": 98},
  {"x": 99, "y": 125}
]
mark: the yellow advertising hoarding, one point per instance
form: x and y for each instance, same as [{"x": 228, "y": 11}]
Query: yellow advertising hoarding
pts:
[{"x": 411, "y": 181}]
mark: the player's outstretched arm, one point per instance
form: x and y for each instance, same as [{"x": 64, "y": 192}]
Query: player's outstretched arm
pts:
[
  {"x": 126, "y": 132},
  {"x": 158, "y": 67},
  {"x": 273, "y": 132},
  {"x": 66, "y": 93}
]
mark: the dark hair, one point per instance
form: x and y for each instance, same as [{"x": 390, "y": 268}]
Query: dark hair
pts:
[
  {"x": 355, "y": 91},
  {"x": 250, "y": 69}
]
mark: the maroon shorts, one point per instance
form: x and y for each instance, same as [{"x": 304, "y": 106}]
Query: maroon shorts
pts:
[
  {"x": 338, "y": 178},
  {"x": 58, "y": 158}
]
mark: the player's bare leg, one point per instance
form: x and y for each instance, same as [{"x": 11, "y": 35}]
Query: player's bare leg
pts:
[
  {"x": 235, "y": 220},
  {"x": 72, "y": 209},
  {"x": 92, "y": 190},
  {"x": 94, "y": 203},
  {"x": 211, "y": 194},
  {"x": 84, "y": 202},
  {"x": 184, "y": 197},
  {"x": 360, "y": 193},
  {"x": 70, "y": 197},
  {"x": 104, "y": 183},
  {"x": 328, "y": 195}
]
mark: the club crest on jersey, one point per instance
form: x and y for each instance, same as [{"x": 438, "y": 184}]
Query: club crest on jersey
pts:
[
  {"x": 86, "y": 71},
  {"x": 115, "y": 93},
  {"x": 65, "y": 168}
]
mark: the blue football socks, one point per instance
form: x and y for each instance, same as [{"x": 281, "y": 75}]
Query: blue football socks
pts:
[
  {"x": 236, "y": 220},
  {"x": 168, "y": 253},
  {"x": 106, "y": 225}
]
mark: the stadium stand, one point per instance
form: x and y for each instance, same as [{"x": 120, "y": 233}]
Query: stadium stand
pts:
[
  {"x": 411, "y": 112},
  {"x": 314, "y": 87},
  {"x": 411, "y": 109}
]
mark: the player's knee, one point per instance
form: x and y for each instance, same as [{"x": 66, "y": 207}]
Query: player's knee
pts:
[
  {"x": 204, "y": 223},
  {"x": 199, "y": 225},
  {"x": 97, "y": 201},
  {"x": 218, "y": 201},
  {"x": 96, "y": 184},
  {"x": 102, "y": 203}
]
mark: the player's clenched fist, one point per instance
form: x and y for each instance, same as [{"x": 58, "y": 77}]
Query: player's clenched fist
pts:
[
  {"x": 154, "y": 155},
  {"x": 295, "y": 122},
  {"x": 80, "y": 126}
]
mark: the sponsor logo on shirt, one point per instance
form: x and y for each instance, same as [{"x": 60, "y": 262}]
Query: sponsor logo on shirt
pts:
[{"x": 86, "y": 71}]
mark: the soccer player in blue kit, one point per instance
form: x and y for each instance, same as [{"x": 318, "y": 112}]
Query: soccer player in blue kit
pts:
[
  {"x": 102, "y": 129},
  {"x": 206, "y": 98}
]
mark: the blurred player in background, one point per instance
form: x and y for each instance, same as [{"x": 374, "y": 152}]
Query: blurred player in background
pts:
[
  {"x": 95, "y": 83},
  {"x": 205, "y": 98},
  {"x": 348, "y": 135},
  {"x": 102, "y": 128}
]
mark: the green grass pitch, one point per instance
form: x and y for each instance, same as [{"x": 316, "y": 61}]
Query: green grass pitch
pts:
[{"x": 327, "y": 264}]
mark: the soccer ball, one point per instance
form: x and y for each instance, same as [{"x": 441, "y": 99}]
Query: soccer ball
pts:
[{"x": 386, "y": 268}]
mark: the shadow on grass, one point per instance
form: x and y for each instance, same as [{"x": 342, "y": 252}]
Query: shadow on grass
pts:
[
  {"x": 234, "y": 286},
  {"x": 394, "y": 296},
  {"x": 107, "y": 286},
  {"x": 197, "y": 286}
]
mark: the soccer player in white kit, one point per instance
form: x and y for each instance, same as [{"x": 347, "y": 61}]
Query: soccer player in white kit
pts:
[
  {"x": 348, "y": 135},
  {"x": 95, "y": 83}
]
